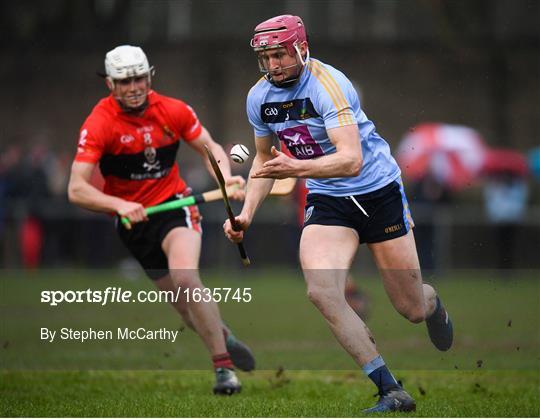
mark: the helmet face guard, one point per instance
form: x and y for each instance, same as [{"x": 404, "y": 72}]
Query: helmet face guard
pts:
[
  {"x": 284, "y": 31},
  {"x": 124, "y": 65},
  {"x": 297, "y": 53}
]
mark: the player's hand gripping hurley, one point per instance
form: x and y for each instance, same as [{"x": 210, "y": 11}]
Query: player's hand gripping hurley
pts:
[
  {"x": 221, "y": 182},
  {"x": 281, "y": 188},
  {"x": 187, "y": 201}
]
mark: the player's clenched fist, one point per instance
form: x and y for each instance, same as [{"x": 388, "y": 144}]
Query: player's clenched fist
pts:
[
  {"x": 239, "y": 193},
  {"x": 133, "y": 211},
  {"x": 242, "y": 223}
]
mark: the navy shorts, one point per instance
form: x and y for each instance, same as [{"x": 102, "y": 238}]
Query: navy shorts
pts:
[
  {"x": 144, "y": 239},
  {"x": 377, "y": 216}
]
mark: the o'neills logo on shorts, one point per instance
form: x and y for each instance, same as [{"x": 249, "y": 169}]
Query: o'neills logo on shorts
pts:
[
  {"x": 393, "y": 229},
  {"x": 308, "y": 213}
]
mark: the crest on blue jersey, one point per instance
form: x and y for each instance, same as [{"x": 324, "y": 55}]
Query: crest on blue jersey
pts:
[{"x": 292, "y": 110}]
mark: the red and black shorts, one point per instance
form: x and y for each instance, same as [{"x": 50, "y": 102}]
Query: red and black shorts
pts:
[
  {"x": 144, "y": 239},
  {"x": 376, "y": 216}
]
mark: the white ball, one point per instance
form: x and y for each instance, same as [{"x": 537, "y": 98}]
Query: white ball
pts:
[{"x": 239, "y": 153}]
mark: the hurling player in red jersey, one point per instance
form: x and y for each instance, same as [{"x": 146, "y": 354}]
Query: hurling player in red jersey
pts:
[{"x": 134, "y": 134}]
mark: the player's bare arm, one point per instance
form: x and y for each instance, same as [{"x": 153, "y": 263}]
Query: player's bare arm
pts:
[
  {"x": 205, "y": 139},
  {"x": 256, "y": 191},
  {"x": 82, "y": 193},
  {"x": 257, "y": 188},
  {"x": 345, "y": 162}
]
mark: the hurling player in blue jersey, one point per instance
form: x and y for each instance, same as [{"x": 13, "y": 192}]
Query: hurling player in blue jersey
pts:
[{"x": 355, "y": 195}]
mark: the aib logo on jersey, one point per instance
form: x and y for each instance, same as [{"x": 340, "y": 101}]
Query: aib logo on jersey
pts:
[
  {"x": 300, "y": 142},
  {"x": 292, "y": 110}
]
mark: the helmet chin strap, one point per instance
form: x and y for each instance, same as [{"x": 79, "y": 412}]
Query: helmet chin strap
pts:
[{"x": 300, "y": 55}]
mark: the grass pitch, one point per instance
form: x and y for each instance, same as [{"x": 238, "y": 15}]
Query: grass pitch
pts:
[
  {"x": 493, "y": 369},
  {"x": 293, "y": 394}
]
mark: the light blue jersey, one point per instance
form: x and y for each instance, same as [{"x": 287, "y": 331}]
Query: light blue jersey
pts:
[{"x": 323, "y": 98}]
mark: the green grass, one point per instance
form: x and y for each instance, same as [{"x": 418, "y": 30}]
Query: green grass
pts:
[
  {"x": 295, "y": 394},
  {"x": 496, "y": 321}
]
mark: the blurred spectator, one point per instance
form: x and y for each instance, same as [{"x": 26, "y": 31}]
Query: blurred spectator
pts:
[
  {"x": 505, "y": 202},
  {"x": 428, "y": 194},
  {"x": 437, "y": 160},
  {"x": 9, "y": 161},
  {"x": 29, "y": 179},
  {"x": 33, "y": 189},
  {"x": 505, "y": 198}
]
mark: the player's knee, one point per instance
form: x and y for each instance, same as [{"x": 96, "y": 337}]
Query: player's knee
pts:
[
  {"x": 182, "y": 308},
  {"x": 313, "y": 295},
  {"x": 186, "y": 279},
  {"x": 322, "y": 297},
  {"x": 316, "y": 295}
]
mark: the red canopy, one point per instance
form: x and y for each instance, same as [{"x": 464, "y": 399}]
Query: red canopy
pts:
[
  {"x": 503, "y": 160},
  {"x": 452, "y": 154}
]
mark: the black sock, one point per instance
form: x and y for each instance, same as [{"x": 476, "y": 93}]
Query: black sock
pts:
[{"x": 381, "y": 376}]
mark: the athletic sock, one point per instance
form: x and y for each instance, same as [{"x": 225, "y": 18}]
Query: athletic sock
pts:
[
  {"x": 222, "y": 361},
  {"x": 437, "y": 308},
  {"x": 378, "y": 372}
]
